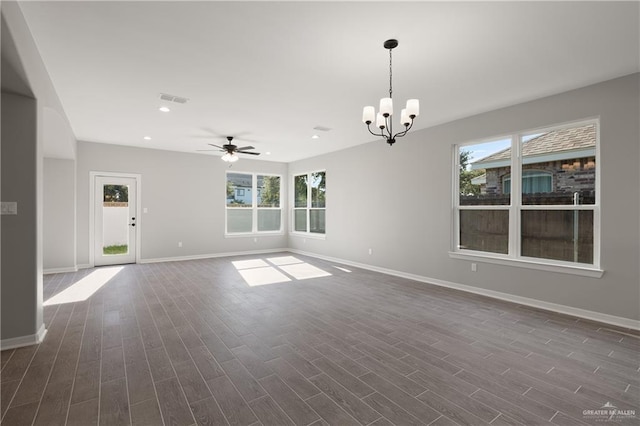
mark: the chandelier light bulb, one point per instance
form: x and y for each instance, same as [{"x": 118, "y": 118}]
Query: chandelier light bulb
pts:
[
  {"x": 404, "y": 118},
  {"x": 368, "y": 114},
  {"x": 386, "y": 106},
  {"x": 413, "y": 108}
]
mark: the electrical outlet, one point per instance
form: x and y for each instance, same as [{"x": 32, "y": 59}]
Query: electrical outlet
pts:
[
  {"x": 474, "y": 267},
  {"x": 370, "y": 251},
  {"x": 179, "y": 243}
]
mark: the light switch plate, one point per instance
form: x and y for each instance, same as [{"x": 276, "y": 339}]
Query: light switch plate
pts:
[{"x": 9, "y": 207}]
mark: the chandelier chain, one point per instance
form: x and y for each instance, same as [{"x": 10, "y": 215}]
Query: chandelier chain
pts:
[{"x": 390, "y": 76}]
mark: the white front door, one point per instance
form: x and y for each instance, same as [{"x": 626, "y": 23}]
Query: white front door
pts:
[{"x": 115, "y": 220}]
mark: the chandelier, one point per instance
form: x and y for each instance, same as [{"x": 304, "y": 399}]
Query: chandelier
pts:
[{"x": 384, "y": 117}]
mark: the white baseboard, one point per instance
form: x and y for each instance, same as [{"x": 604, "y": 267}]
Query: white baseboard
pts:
[
  {"x": 18, "y": 342},
  {"x": 60, "y": 270},
  {"x": 555, "y": 307},
  {"x": 84, "y": 266},
  {"x": 211, "y": 255}
]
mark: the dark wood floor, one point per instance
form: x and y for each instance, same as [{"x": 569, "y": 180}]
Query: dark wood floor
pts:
[{"x": 188, "y": 343}]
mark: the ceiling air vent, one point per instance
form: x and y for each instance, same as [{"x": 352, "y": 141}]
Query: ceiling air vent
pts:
[
  {"x": 172, "y": 98},
  {"x": 322, "y": 128}
]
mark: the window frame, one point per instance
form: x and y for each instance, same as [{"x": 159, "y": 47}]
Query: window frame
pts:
[
  {"x": 515, "y": 208},
  {"x": 255, "y": 208},
  {"x": 307, "y": 208}
]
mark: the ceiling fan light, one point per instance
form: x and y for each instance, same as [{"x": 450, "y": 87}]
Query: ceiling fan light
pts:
[
  {"x": 233, "y": 158},
  {"x": 226, "y": 157}
]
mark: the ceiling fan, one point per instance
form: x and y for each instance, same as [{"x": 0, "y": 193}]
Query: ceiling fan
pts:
[{"x": 230, "y": 150}]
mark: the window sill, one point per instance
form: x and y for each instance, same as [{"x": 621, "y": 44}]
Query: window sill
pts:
[
  {"x": 311, "y": 235},
  {"x": 254, "y": 234},
  {"x": 580, "y": 270}
]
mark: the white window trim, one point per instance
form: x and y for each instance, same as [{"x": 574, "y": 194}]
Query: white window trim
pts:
[
  {"x": 254, "y": 208},
  {"x": 308, "y": 208},
  {"x": 515, "y": 207}
]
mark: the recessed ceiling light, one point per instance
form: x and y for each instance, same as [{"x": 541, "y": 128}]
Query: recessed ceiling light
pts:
[
  {"x": 147, "y": 138},
  {"x": 164, "y": 109},
  {"x": 315, "y": 137},
  {"x": 268, "y": 153}
]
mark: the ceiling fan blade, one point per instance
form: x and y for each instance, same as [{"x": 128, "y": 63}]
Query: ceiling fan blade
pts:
[
  {"x": 248, "y": 152},
  {"x": 245, "y": 147},
  {"x": 215, "y": 145},
  {"x": 209, "y": 150}
]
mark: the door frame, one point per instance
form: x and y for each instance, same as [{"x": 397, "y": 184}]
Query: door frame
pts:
[{"x": 92, "y": 209}]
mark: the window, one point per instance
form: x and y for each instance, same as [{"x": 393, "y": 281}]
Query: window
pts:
[
  {"x": 253, "y": 203},
  {"x": 309, "y": 202},
  {"x": 533, "y": 181},
  {"x": 531, "y": 196}
]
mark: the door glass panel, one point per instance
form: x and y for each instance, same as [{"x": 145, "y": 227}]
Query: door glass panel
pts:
[{"x": 115, "y": 220}]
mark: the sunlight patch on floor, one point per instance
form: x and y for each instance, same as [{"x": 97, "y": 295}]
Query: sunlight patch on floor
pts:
[
  {"x": 85, "y": 288},
  {"x": 263, "y": 276},
  {"x": 256, "y": 272},
  {"x": 252, "y": 263},
  {"x": 304, "y": 271},
  {"x": 284, "y": 260}
]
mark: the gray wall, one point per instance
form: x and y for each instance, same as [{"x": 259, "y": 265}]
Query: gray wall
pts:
[
  {"x": 21, "y": 234},
  {"x": 185, "y": 197},
  {"x": 397, "y": 201},
  {"x": 59, "y": 220}
]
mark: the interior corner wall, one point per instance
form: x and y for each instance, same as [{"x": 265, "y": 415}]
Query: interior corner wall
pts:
[
  {"x": 397, "y": 201},
  {"x": 21, "y": 180},
  {"x": 184, "y": 196},
  {"x": 59, "y": 215}
]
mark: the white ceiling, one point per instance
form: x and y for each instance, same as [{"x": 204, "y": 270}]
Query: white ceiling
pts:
[{"x": 270, "y": 72}]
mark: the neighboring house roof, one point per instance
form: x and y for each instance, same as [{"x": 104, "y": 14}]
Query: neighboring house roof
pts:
[
  {"x": 479, "y": 180},
  {"x": 563, "y": 144}
]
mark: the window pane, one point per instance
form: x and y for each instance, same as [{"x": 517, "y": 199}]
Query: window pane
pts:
[
  {"x": 268, "y": 191},
  {"x": 483, "y": 167},
  {"x": 318, "y": 189},
  {"x": 268, "y": 220},
  {"x": 300, "y": 220},
  {"x": 568, "y": 157},
  {"x": 485, "y": 230},
  {"x": 558, "y": 234},
  {"x": 300, "y": 183},
  {"x": 239, "y": 220},
  {"x": 239, "y": 190},
  {"x": 316, "y": 217}
]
